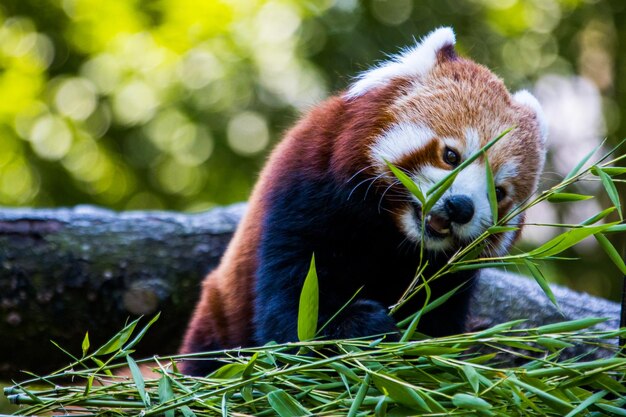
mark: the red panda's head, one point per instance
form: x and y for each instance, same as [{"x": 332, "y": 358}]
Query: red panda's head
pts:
[{"x": 438, "y": 110}]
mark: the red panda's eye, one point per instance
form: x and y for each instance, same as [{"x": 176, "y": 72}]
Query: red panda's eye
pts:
[
  {"x": 451, "y": 157},
  {"x": 500, "y": 194}
]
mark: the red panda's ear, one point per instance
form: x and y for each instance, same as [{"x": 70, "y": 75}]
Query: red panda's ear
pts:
[
  {"x": 526, "y": 99},
  {"x": 436, "y": 47}
]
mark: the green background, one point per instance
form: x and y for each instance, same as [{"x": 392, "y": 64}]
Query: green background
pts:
[{"x": 174, "y": 104}]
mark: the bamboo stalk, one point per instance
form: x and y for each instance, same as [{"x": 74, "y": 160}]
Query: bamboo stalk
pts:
[{"x": 622, "y": 320}]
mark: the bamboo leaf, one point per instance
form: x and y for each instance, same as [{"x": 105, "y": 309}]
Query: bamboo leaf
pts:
[
  {"x": 491, "y": 191},
  {"x": 595, "y": 218},
  {"x": 501, "y": 229},
  {"x": 610, "y": 250},
  {"x": 552, "y": 401},
  {"x": 410, "y": 330},
  {"x": 228, "y": 371},
  {"x": 592, "y": 399},
  {"x": 143, "y": 331},
  {"x": 344, "y": 370},
  {"x": 246, "y": 393},
  {"x": 472, "y": 377},
  {"x": 309, "y": 304},
  {"x": 480, "y": 265},
  {"x": 565, "y": 241},
  {"x": 285, "y": 405},
  {"x": 576, "y": 367},
  {"x": 616, "y": 228},
  {"x": 498, "y": 328},
  {"x": 540, "y": 279},
  {"x": 85, "y": 344},
  {"x": 442, "y": 299},
  {"x": 470, "y": 402},
  {"x": 400, "y": 391},
  {"x": 224, "y": 407},
  {"x": 165, "y": 393},
  {"x": 610, "y": 384},
  {"x": 431, "y": 350},
  {"x": 408, "y": 183},
  {"x": 474, "y": 252},
  {"x": 609, "y": 186},
  {"x": 552, "y": 343},
  {"x": 187, "y": 412},
  {"x": 32, "y": 395},
  {"x": 249, "y": 367},
  {"x": 567, "y": 197},
  {"x": 432, "y": 403},
  {"x": 360, "y": 395},
  {"x": 138, "y": 379},
  {"x": 102, "y": 365},
  {"x": 116, "y": 342},
  {"x": 438, "y": 193},
  {"x": 570, "y": 326},
  {"x": 582, "y": 162},
  {"x": 522, "y": 346},
  {"x": 612, "y": 171},
  {"x": 381, "y": 407},
  {"x": 618, "y": 411}
]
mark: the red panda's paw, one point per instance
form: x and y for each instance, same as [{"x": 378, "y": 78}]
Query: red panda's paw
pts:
[{"x": 364, "y": 318}]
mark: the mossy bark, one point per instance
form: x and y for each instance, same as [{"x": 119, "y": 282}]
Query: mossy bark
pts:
[{"x": 67, "y": 271}]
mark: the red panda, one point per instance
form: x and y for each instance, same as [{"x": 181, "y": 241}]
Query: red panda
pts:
[{"x": 327, "y": 190}]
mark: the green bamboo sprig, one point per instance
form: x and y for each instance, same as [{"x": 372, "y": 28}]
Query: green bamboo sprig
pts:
[
  {"x": 312, "y": 382},
  {"x": 458, "y": 261}
]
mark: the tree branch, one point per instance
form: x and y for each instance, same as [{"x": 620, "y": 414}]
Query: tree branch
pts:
[{"x": 66, "y": 271}]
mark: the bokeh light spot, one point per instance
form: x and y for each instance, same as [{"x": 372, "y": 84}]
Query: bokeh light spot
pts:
[
  {"x": 51, "y": 137},
  {"x": 163, "y": 126},
  {"x": 392, "y": 12},
  {"x": 276, "y": 22},
  {"x": 85, "y": 161},
  {"x": 17, "y": 183},
  {"x": 176, "y": 178},
  {"x": 248, "y": 133},
  {"x": 134, "y": 103},
  {"x": 76, "y": 98},
  {"x": 198, "y": 68},
  {"x": 104, "y": 71}
]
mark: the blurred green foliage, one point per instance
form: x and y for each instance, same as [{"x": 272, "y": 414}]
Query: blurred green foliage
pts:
[{"x": 175, "y": 103}]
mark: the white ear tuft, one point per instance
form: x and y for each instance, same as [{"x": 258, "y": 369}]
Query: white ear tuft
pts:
[
  {"x": 525, "y": 98},
  {"x": 417, "y": 60}
]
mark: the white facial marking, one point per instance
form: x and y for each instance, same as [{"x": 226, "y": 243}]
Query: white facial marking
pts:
[
  {"x": 468, "y": 146},
  {"x": 472, "y": 142},
  {"x": 402, "y": 140},
  {"x": 525, "y": 98},
  {"x": 470, "y": 182},
  {"x": 409, "y": 224},
  {"x": 414, "y": 61},
  {"x": 453, "y": 143},
  {"x": 508, "y": 170}
]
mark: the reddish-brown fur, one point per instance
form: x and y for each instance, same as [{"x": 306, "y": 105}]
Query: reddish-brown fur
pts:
[{"x": 223, "y": 316}]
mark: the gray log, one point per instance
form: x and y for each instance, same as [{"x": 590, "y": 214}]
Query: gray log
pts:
[{"x": 66, "y": 271}]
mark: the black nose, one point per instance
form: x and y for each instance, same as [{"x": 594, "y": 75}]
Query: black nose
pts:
[{"x": 460, "y": 208}]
